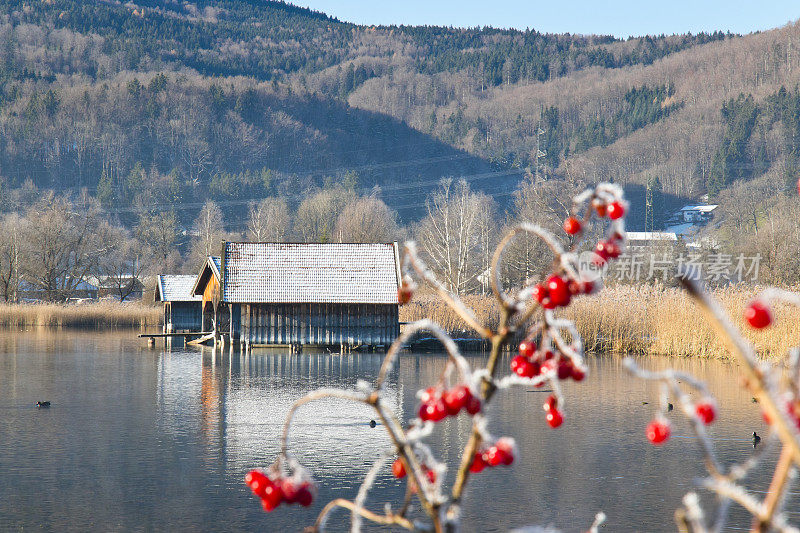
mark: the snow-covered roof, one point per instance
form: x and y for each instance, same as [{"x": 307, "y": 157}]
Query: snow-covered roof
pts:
[
  {"x": 651, "y": 236},
  {"x": 175, "y": 288},
  {"x": 705, "y": 208},
  {"x": 266, "y": 272}
]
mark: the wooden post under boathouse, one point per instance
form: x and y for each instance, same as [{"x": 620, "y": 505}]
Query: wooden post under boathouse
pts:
[
  {"x": 288, "y": 294},
  {"x": 182, "y": 311}
]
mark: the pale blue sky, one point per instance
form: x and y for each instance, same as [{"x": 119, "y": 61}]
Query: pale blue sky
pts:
[{"x": 621, "y": 18}]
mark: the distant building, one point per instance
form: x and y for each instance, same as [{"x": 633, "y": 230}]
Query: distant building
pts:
[
  {"x": 30, "y": 292},
  {"x": 638, "y": 240},
  {"x": 302, "y": 294},
  {"x": 697, "y": 213},
  {"x": 182, "y": 310}
]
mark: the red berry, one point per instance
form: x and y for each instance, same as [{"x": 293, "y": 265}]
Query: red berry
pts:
[
  {"x": 273, "y": 496},
  {"x": 548, "y": 354},
  {"x": 398, "y": 468},
  {"x": 554, "y": 418},
  {"x": 522, "y": 367},
  {"x": 433, "y": 410},
  {"x": 551, "y": 403},
  {"x": 548, "y": 365},
  {"x": 506, "y": 448},
  {"x": 290, "y": 491},
  {"x": 478, "y": 464},
  {"x": 588, "y": 287},
  {"x": 540, "y": 293},
  {"x": 404, "y": 294},
  {"x": 578, "y": 374},
  {"x": 616, "y": 210},
  {"x": 558, "y": 290},
  {"x": 494, "y": 456},
  {"x": 600, "y": 209},
  {"x": 431, "y": 475},
  {"x": 257, "y": 481},
  {"x": 473, "y": 406},
  {"x": 572, "y": 225},
  {"x": 706, "y": 412},
  {"x": 758, "y": 314},
  {"x": 564, "y": 369},
  {"x": 431, "y": 393},
  {"x": 304, "y": 496},
  {"x": 527, "y": 348},
  {"x": 658, "y": 431},
  {"x": 455, "y": 399}
]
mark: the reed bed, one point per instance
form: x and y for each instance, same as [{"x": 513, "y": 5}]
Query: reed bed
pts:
[
  {"x": 642, "y": 320},
  {"x": 106, "y": 314}
]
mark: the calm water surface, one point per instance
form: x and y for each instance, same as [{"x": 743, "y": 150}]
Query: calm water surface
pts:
[{"x": 148, "y": 439}]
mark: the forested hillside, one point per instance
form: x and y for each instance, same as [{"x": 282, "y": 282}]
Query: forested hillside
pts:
[{"x": 160, "y": 103}]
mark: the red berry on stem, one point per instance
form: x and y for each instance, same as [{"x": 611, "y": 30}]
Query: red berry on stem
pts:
[
  {"x": 601, "y": 209},
  {"x": 494, "y": 456},
  {"x": 558, "y": 290},
  {"x": 522, "y": 367},
  {"x": 473, "y": 406},
  {"x": 404, "y": 294},
  {"x": 554, "y": 418},
  {"x": 398, "y": 468},
  {"x": 564, "y": 369},
  {"x": 758, "y": 314},
  {"x": 527, "y": 348},
  {"x": 540, "y": 293},
  {"x": 572, "y": 225},
  {"x": 257, "y": 481},
  {"x": 289, "y": 490},
  {"x": 658, "y": 431},
  {"x": 551, "y": 403},
  {"x": 433, "y": 410},
  {"x": 706, "y": 412},
  {"x": 478, "y": 464},
  {"x": 272, "y": 498},
  {"x": 304, "y": 496},
  {"x": 455, "y": 399},
  {"x": 616, "y": 211},
  {"x": 506, "y": 446},
  {"x": 429, "y": 394},
  {"x": 578, "y": 374}
]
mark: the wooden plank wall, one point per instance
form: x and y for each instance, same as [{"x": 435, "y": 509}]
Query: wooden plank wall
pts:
[{"x": 319, "y": 324}]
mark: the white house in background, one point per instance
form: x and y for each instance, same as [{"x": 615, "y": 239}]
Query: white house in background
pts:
[
  {"x": 697, "y": 213},
  {"x": 638, "y": 240}
]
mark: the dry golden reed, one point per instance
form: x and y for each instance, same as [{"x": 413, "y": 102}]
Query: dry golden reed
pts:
[
  {"x": 93, "y": 314},
  {"x": 643, "y": 320}
]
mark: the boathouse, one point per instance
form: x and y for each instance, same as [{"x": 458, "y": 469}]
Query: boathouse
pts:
[
  {"x": 182, "y": 310},
  {"x": 263, "y": 294}
]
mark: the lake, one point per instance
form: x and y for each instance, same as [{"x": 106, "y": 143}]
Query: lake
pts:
[{"x": 146, "y": 439}]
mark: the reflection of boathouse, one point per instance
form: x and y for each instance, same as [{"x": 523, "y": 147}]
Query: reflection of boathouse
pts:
[
  {"x": 181, "y": 308},
  {"x": 301, "y": 294}
]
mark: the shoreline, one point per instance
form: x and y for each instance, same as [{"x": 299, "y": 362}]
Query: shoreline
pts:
[
  {"x": 91, "y": 315},
  {"x": 643, "y": 320}
]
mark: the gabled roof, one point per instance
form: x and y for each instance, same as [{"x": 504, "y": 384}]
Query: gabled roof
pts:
[
  {"x": 266, "y": 272},
  {"x": 175, "y": 288},
  {"x": 210, "y": 267}
]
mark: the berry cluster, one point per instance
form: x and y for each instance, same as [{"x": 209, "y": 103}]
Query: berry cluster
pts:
[
  {"x": 273, "y": 492},
  {"x": 530, "y": 363},
  {"x": 558, "y": 292},
  {"x": 552, "y": 414},
  {"x": 437, "y": 404},
  {"x": 501, "y": 453}
]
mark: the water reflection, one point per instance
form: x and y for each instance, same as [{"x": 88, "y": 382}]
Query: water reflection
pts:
[{"x": 156, "y": 439}]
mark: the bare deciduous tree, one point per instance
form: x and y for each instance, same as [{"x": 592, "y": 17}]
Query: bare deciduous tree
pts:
[
  {"x": 450, "y": 235},
  {"x": 317, "y": 214},
  {"x": 269, "y": 221},
  {"x": 209, "y": 228},
  {"x": 367, "y": 219},
  {"x": 9, "y": 256}
]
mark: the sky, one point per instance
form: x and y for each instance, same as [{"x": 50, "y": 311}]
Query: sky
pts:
[{"x": 621, "y": 18}]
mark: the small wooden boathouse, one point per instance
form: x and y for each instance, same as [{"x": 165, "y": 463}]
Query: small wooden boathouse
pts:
[
  {"x": 266, "y": 294},
  {"x": 182, "y": 310}
]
